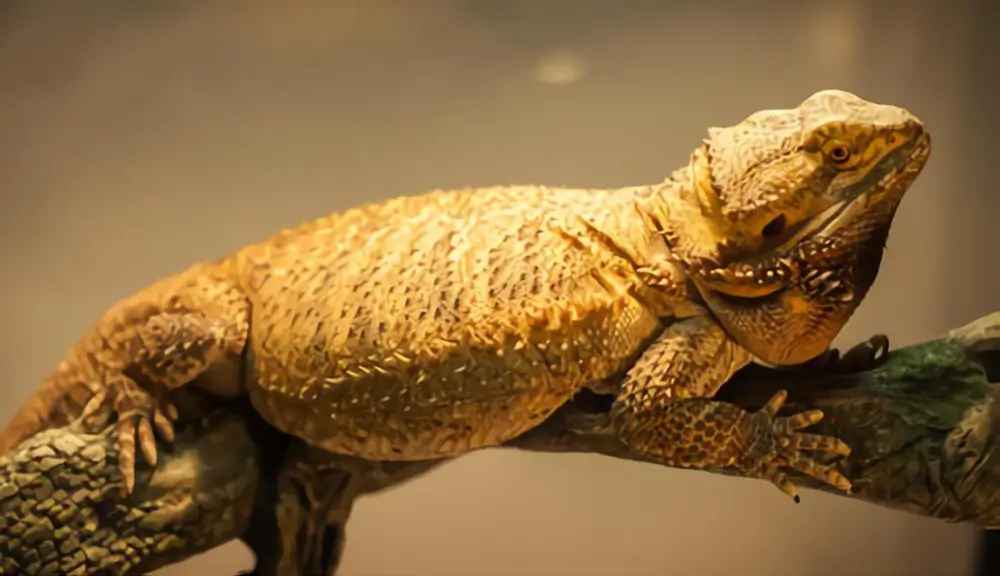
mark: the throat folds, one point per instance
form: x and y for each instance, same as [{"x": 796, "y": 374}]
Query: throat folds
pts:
[{"x": 686, "y": 212}]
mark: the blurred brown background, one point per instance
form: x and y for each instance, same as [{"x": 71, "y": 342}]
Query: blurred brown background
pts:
[{"x": 138, "y": 137}]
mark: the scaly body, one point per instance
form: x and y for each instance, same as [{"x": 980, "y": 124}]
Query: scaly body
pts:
[
  {"x": 429, "y": 326},
  {"x": 433, "y": 325}
]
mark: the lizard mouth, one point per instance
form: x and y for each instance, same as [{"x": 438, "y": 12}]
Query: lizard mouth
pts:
[
  {"x": 890, "y": 177},
  {"x": 853, "y": 215}
]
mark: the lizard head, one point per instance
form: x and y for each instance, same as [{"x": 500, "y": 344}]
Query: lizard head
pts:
[{"x": 784, "y": 216}]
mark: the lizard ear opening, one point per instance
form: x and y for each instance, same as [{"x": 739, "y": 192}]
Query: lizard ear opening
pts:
[{"x": 775, "y": 227}]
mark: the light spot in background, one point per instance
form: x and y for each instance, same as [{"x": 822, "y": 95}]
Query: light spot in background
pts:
[
  {"x": 560, "y": 68},
  {"x": 833, "y": 37}
]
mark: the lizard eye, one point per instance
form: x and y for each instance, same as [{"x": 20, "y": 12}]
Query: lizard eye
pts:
[
  {"x": 774, "y": 227},
  {"x": 840, "y": 153}
]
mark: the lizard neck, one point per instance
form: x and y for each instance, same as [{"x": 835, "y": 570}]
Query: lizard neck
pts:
[{"x": 682, "y": 210}]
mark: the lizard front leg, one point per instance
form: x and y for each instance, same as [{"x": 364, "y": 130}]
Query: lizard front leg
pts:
[{"x": 665, "y": 410}]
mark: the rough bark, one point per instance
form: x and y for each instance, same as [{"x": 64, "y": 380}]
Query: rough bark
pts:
[
  {"x": 62, "y": 510},
  {"x": 921, "y": 420}
]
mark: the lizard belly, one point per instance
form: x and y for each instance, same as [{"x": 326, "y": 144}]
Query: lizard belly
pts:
[{"x": 415, "y": 402}]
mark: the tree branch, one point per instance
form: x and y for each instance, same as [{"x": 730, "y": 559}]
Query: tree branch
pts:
[
  {"x": 62, "y": 510},
  {"x": 922, "y": 423}
]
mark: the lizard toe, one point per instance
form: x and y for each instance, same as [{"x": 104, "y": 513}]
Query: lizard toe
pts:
[
  {"x": 780, "y": 480},
  {"x": 125, "y": 440},
  {"x": 140, "y": 416},
  {"x": 779, "y": 448},
  {"x": 164, "y": 420}
]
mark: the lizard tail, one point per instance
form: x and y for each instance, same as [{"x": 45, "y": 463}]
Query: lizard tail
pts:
[{"x": 51, "y": 406}]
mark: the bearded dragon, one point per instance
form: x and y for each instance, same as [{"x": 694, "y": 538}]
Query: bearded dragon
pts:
[{"x": 425, "y": 327}]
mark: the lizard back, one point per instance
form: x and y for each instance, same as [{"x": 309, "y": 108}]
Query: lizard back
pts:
[{"x": 427, "y": 326}]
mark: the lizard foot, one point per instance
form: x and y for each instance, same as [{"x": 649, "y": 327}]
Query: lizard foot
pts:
[
  {"x": 137, "y": 412},
  {"x": 777, "y": 446}
]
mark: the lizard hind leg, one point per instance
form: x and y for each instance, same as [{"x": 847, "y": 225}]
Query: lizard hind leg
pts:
[
  {"x": 665, "y": 410},
  {"x": 316, "y": 494},
  {"x": 143, "y": 350}
]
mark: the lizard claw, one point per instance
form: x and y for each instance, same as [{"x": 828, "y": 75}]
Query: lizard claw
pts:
[
  {"x": 861, "y": 357},
  {"x": 864, "y": 356},
  {"x": 138, "y": 413},
  {"x": 778, "y": 446}
]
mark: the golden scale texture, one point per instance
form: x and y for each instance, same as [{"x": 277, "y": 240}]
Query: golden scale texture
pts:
[{"x": 428, "y": 326}]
